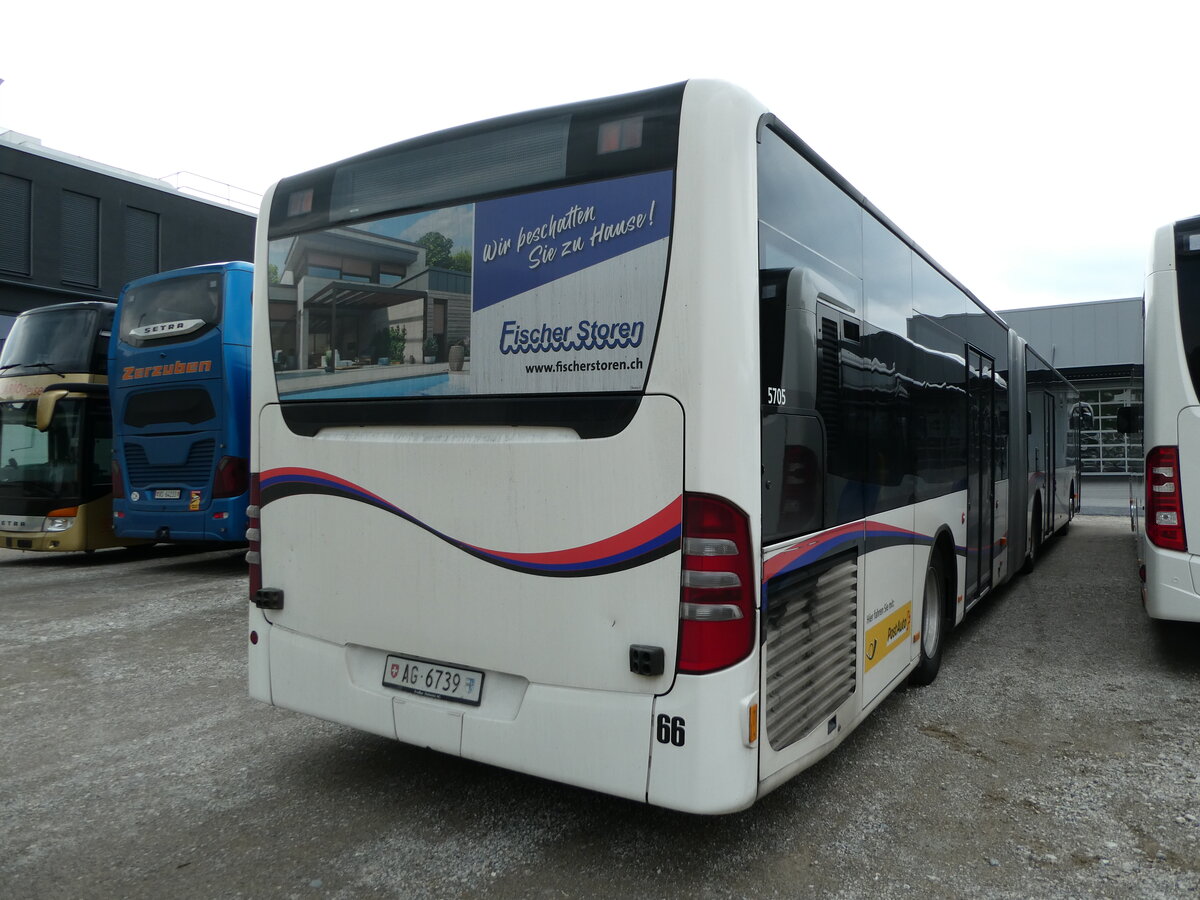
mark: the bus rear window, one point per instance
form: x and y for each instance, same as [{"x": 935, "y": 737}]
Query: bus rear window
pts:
[
  {"x": 183, "y": 405},
  {"x": 549, "y": 292},
  {"x": 161, "y": 311},
  {"x": 1187, "y": 266}
]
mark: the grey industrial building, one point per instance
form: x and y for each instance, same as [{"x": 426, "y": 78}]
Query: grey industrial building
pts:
[
  {"x": 74, "y": 229},
  {"x": 1098, "y": 346}
]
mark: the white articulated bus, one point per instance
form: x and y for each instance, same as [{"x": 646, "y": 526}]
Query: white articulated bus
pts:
[
  {"x": 1171, "y": 429},
  {"x": 625, "y": 444}
]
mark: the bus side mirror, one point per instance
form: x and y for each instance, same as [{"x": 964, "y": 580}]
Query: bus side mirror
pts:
[
  {"x": 1081, "y": 416},
  {"x": 1130, "y": 418},
  {"x": 47, "y": 402}
]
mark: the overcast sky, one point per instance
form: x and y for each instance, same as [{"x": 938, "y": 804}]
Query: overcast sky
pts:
[{"x": 1031, "y": 147}]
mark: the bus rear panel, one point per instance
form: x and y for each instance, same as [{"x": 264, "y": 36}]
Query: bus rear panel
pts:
[
  {"x": 1172, "y": 424},
  {"x": 622, "y": 444},
  {"x": 180, "y": 377},
  {"x": 475, "y": 433}
]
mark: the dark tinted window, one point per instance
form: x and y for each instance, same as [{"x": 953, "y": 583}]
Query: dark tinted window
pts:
[
  {"x": 887, "y": 278},
  {"x": 55, "y": 339},
  {"x": 801, "y": 203},
  {"x": 99, "y": 473},
  {"x": 794, "y": 476},
  {"x": 171, "y": 309},
  {"x": 41, "y": 464},
  {"x": 503, "y": 156},
  {"x": 190, "y": 405},
  {"x": 1187, "y": 266},
  {"x": 878, "y": 400}
]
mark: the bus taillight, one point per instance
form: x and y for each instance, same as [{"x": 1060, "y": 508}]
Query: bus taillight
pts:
[
  {"x": 1164, "y": 502},
  {"x": 717, "y": 624},
  {"x": 231, "y": 478},
  {"x": 253, "y": 537}
]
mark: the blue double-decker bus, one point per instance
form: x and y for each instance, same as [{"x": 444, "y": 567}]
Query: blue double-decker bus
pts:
[{"x": 179, "y": 375}]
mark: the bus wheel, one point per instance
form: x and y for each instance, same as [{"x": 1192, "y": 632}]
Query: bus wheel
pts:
[
  {"x": 933, "y": 615},
  {"x": 1070, "y": 511},
  {"x": 1035, "y": 529}
]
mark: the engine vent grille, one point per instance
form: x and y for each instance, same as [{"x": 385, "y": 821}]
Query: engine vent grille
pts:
[
  {"x": 196, "y": 470},
  {"x": 811, "y": 642}
]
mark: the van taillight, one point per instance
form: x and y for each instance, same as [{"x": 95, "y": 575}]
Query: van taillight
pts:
[
  {"x": 254, "y": 538},
  {"x": 1164, "y": 502},
  {"x": 716, "y": 610},
  {"x": 231, "y": 477},
  {"x": 118, "y": 483}
]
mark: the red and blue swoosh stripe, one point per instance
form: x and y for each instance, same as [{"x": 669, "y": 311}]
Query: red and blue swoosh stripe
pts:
[
  {"x": 875, "y": 536},
  {"x": 651, "y": 539}
]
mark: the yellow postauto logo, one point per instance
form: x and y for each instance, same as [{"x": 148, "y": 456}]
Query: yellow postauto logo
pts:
[
  {"x": 176, "y": 368},
  {"x": 886, "y": 635}
]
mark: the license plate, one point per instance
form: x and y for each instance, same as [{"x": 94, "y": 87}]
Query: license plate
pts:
[
  {"x": 433, "y": 679},
  {"x": 167, "y": 495}
]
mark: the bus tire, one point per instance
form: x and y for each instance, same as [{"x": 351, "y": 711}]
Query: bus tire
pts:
[
  {"x": 1035, "y": 529},
  {"x": 933, "y": 622},
  {"x": 1070, "y": 511}
]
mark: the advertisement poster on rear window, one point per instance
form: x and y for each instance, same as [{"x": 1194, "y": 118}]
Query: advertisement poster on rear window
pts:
[
  {"x": 547, "y": 292},
  {"x": 568, "y": 285}
]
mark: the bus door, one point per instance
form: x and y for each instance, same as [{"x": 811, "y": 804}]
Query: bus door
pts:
[{"x": 981, "y": 500}]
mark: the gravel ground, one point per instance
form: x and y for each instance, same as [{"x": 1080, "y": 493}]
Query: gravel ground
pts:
[{"x": 1057, "y": 755}]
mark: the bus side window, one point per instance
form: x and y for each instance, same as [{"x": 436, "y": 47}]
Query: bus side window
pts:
[{"x": 793, "y": 476}]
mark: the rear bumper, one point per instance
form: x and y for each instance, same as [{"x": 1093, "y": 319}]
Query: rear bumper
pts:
[
  {"x": 1171, "y": 580},
  {"x": 600, "y": 740},
  {"x": 221, "y": 521}
]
